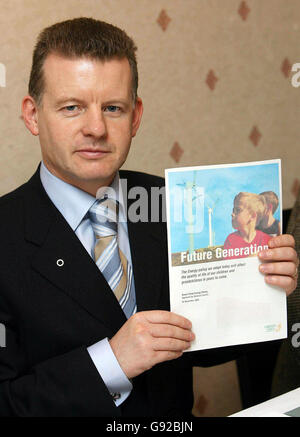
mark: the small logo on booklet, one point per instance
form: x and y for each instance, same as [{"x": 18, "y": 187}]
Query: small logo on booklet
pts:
[{"x": 274, "y": 327}]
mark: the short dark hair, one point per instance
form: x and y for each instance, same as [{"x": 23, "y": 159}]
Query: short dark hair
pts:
[
  {"x": 271, "y": 199},
  {"x": 81, "y": 37}
]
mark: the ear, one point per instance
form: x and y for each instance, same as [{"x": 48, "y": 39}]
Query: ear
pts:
[
  {"x": 255, "y": 217},
  {"x": 137, "y": 116},
  {"x": 30, "y": 116}
]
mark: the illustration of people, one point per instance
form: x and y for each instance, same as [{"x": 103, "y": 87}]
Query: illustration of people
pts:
[
  {"x": 269, "y": 224},
  {"x": 247, "y": 211}
]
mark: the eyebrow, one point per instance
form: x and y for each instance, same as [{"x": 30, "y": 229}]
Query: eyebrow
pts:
[{"x": 65, "y": 100}]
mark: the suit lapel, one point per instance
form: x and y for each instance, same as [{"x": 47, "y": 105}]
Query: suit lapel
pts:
[
  {"x": 63, "y": 260},
  {"x": 148, "y": 255}
]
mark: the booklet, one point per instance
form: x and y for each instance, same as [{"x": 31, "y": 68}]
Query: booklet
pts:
[{"x": 219, "y": 217}]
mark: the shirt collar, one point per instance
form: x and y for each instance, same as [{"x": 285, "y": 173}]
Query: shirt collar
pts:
[{"x": 72, "y": 202}]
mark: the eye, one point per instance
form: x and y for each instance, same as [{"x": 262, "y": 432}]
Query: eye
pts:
[
  {"x": 71, "y": 108},
  {"x": 112, "y": 108}
]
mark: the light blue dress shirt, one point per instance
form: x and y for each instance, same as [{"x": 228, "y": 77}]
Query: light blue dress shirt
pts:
[{"x": 74, "y": 204}]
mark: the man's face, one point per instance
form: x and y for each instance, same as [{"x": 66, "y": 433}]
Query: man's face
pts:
[{"x": 86, "y": 119}]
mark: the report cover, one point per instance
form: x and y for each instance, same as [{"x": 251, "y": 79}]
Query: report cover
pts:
[{"x": 219, "y": 217}]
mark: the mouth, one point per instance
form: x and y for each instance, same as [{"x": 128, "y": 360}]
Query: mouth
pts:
[{"x": 92, "y": 153}]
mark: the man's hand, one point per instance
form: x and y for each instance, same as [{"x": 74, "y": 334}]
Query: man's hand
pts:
[
  {"x": 149, "y": 338},
  {"x": 280, "y": 263}
]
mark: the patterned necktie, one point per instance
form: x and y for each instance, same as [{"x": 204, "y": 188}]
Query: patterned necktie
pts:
[{"x": 109, "y": 258}]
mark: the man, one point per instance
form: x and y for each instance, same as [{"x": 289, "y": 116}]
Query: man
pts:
[{"x": 72, "y": 348}]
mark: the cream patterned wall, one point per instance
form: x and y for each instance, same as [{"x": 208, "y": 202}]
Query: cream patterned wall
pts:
[{"x": 215, "y": 78}]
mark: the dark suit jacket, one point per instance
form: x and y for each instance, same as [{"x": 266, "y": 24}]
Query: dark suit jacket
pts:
[
  {"x": 53, "y": 313},
  {"x": 287, "y": 371}
]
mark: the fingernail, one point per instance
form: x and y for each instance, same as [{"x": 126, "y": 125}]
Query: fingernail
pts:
[{"x": 263, "y": 268}]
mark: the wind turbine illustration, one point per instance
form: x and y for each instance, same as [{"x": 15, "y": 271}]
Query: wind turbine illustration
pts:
[
  {"x": 210, "y": 208},
  {"x": 191, "y": 193}
]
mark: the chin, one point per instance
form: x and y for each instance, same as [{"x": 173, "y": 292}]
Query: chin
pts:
[{"x": 93, "y": 172}]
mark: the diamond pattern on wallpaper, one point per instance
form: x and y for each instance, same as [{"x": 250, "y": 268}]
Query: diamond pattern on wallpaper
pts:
[
  {"x": 295, "y": 187},
  {"x": 255, "y": 136},
  {"x": 176, "y": 152},
  {"x": 286, "y": 67},
  {"x": 244, "y": 10},
  {"x": 211, "y": 79},
  {"x": 163, "y": 20}
]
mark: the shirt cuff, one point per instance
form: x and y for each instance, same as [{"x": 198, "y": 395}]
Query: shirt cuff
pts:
[{"x": 110, "y": 371}]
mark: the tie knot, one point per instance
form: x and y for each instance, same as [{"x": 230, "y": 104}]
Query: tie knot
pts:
[{"x": 103, "y": 215}]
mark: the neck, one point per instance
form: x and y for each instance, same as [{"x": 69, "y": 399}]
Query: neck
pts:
[
  {"x": 89, "y": 186},
  {"x": 248, "y": 234},
  {"x": 267, "y": 221},
  {"x": 271, "y": 220}
]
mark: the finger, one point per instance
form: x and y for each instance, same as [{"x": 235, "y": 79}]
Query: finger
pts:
[
  {"x": 167, "y": 317},
  {"x": 171, "y": 331},
  {"x": 279, "y": 254},
  {"x": 279, "y": 268},
  {"x": 284, "y": 240},
  {"x": 285, "y": 282},
  {"x": 162, "y": 356},
  {"x": 170, "y": 344}
]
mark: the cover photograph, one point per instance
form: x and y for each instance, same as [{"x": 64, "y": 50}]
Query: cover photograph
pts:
[{"x": 219, "y": 217}]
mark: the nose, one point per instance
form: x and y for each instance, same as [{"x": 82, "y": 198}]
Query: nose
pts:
[{"x": 94, "y": 123}]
